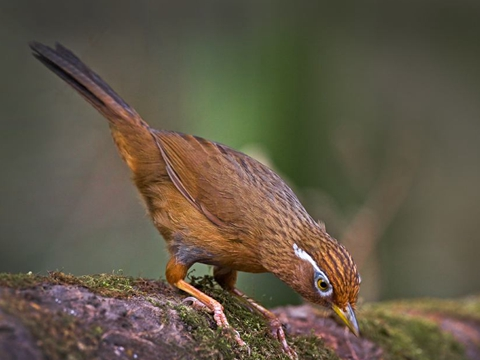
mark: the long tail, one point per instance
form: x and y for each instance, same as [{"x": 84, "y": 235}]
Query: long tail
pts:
[{"x": 132, "y": 135}]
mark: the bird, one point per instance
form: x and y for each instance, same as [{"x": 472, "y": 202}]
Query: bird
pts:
[{"x": 218, "y": 206}]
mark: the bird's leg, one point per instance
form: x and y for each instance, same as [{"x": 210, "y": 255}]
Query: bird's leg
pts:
[
  {"x": 275, "y": 325},
  {"x": 176, "y": 273},
  {"x": 227, "y": 278}
]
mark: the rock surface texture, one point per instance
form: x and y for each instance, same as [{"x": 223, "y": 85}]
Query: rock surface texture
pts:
[{"x": 115, "y": 317}]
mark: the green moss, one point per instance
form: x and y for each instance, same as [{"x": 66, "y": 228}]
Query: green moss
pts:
[
  {"x": 16, "y": 281},
  {"x": 405, "y": 336},
  {"x": 108, "y": 285},
  {"x": 471, "y": 305},
  {"x": 212, "y": 342},
  {"x": 400, "y": 328},
  {"x": 461, "y": 308},
  {"x": 60, "y": 336},
  {"x": 311, "y": 347}
]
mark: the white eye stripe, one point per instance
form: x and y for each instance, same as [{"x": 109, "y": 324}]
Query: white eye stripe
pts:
[{"x": 302, "y": 254}]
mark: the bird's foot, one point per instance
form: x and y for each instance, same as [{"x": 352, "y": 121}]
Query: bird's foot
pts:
[
  {"x": 195, "y": 303},
  {"x": 277, "y": 331},
  {"x": 275, "y": 324},
  {"x": 219, "y": 317},
  {"x": 222, "y": 322}
]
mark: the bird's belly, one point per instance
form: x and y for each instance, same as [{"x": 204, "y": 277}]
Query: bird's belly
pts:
[
  {"x": 224, "y": 253},
  {"x": 245, "y": 266},
  {"x": 192, "y": 238}
]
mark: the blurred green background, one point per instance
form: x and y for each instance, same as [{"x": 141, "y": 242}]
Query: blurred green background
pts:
[{"x": 370, "y": 110}]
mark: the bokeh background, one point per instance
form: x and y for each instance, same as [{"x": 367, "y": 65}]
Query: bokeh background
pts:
[{"x": 369, "y": 109}]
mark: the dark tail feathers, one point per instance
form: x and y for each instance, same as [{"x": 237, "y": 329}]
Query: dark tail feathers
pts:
[{"x": 88, "y": 84}]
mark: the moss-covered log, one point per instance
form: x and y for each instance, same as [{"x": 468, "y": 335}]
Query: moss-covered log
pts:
[{"x": 115, "y": 317}]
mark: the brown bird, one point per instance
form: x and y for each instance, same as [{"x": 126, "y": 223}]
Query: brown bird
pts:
[{"x": 220, "y": 207}]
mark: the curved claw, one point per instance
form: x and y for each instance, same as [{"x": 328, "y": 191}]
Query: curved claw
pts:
[
  {"x": 195, "y": 303},
  {"x": 278, "y": 333},
  {"x": 276, "y": 327},
  {"x": 210, "y": 303},
  {"x": 222, "y": 322},
  {"x": 218, "y": 316}
]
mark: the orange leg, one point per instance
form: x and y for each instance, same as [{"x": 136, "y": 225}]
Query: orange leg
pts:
[
  {"x": 227, "y": 278},
  {"x": 176, "y": 272}
]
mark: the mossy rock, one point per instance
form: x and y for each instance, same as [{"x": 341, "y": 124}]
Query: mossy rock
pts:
[{"x": 110, "y": 316}]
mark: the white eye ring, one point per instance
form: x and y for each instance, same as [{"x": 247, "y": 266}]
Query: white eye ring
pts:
[{"x": 323, "y": 285}]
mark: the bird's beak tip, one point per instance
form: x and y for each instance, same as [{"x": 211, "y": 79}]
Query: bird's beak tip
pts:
[{"x": 348, "y": 317}]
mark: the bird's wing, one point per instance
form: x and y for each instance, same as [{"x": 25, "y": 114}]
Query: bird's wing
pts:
[{"x": 231, "y": 189}]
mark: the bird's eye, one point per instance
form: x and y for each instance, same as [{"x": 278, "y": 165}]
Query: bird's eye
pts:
[{"x": 322, "y": 284}]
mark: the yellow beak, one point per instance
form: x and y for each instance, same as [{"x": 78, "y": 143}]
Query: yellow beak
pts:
[{"x": 348, "y": 317}]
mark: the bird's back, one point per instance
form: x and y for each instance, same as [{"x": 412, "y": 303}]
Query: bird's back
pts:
[{"x": 196, "y": 191}]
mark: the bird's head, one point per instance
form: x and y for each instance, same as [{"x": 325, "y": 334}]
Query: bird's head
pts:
[{"x": 325, "y": 274}]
